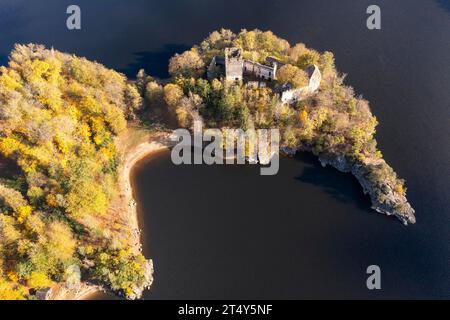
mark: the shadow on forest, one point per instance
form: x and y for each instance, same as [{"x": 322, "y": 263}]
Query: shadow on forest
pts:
[
  {"x": 155, "y": 63},
  {"x": 8, "y": 168},
  {"x": 341, "y": 186}
]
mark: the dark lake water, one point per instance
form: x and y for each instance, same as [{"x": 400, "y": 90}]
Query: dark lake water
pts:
[{"x": 308, "y": 232}]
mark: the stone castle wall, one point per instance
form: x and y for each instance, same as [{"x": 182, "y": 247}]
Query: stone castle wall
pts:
[{"x": 294, "y": 95}]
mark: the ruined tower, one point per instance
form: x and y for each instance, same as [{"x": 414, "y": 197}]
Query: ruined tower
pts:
[{"x": 234, "y": 64}]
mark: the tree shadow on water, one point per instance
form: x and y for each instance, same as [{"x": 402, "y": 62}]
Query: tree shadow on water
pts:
[
  {"x": 3, "y": 60},
  {"x": 155, "y": 63},
  {"x": 341, "y": 186}
]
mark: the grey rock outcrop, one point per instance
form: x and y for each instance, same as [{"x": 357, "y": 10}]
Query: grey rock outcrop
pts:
[{"x": 394, "y": 203}]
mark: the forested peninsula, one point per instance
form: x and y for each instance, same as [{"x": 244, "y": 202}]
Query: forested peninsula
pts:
[{"x": 70, "y": 129}]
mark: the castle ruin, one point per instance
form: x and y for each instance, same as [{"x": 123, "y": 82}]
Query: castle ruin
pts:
[
  {"x": 236, "y": 67},
  {"x": 234, "y": 64}
]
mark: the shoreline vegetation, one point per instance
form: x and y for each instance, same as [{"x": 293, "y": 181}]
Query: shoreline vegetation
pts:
[
  {"x": 143, "y": 145},
  {"x": 74, "y": 129}
]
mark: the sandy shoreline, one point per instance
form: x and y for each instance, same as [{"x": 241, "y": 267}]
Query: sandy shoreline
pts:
[
  {"x": 126, "y": 191},
  {"x": 128, "y": 158}
]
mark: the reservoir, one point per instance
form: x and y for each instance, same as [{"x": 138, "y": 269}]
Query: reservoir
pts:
[
  {"x": 218, "y": 232},
  {"x": 226, "y": 232}
]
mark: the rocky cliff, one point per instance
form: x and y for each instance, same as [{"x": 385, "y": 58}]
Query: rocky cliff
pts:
[{"x": 394, "y": 203}]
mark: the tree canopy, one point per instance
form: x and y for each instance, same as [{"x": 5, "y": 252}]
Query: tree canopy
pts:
[{"x": 59, "y": 116}]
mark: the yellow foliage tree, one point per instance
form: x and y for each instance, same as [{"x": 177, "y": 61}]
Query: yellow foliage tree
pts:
[
  {"x": 399, "y": 189},
  {"x": 8, "y": 146},
  {"x": 11, "y": 291},
  {"x": 87, "y": 198},
  {"x": 38, "y": 280},
  {"x": 172, "y": 94},
  {"x": 23, "y": 213},
  {"x": 303, "y": 116}
]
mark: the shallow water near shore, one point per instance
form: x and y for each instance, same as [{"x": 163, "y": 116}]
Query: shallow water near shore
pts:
[{"x": 308, "y": 232}]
